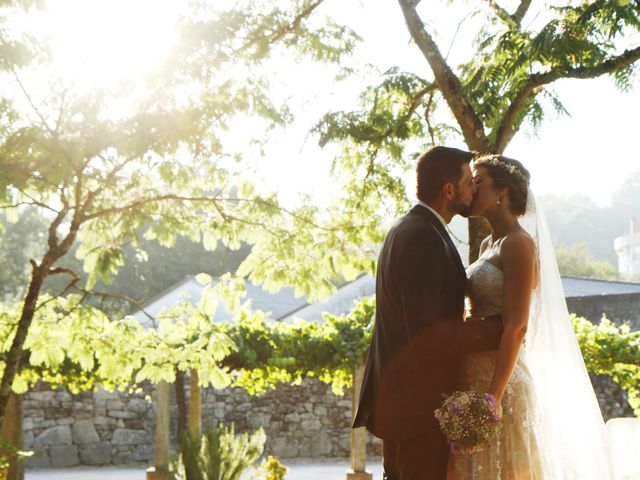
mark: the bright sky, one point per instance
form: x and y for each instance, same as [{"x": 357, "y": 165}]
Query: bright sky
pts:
[{"x": 591, "y": 153}]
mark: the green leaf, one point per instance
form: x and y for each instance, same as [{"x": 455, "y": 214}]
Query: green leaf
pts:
[{"x": 203, "y": 279}]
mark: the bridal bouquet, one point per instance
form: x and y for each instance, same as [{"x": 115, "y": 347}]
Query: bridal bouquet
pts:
[{"x": 468, "y": 420}]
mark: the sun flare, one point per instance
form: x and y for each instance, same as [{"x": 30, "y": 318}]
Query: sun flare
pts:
[{"x": 98, "y": 43}]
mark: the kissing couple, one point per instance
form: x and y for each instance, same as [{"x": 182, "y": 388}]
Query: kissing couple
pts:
[{"x": 515, "y": 342}]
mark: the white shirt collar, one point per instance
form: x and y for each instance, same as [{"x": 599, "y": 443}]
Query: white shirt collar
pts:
[{"x": 438, "y": 216}]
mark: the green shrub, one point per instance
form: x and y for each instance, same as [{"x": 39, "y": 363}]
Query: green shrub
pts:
[
  {"x": 219, "y": 454},
  {"x": 273, "y": 469},
  {"x": 7, "y": 454},
  {"x": 612, "y": 350}
]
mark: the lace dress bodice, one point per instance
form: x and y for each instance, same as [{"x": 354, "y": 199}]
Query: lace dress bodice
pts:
[{"x": 484, "y": 288}]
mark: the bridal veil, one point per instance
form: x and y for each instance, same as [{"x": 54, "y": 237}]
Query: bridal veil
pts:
[{"x": 570, "y": 424}]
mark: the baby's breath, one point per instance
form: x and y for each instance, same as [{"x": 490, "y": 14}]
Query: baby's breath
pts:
[{"x": 468, "y": 420}]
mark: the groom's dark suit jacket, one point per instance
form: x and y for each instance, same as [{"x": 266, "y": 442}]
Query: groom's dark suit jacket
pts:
[{"x": 419, "y": 335}]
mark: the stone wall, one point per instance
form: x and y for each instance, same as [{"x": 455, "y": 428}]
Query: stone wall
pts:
[
  {"x": 618, "y": 308},
  {"x": 90, "y": 428},
  {"x": 105, "y": 428},
  {"x": 116, "y": 428},
  {"x": 300, "y": 421},
  {"x": 613, "y": 400}
]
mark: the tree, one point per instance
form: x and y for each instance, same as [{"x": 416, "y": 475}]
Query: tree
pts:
[
  {"x": 143, "y": 277},
  {"x": 505, "y": 83},
  {"x": 140, "y": 277},
  {"x": 19, "y": 241},
  {"x": 577, "y": 261},
  {"x": 159, "y": 165}
]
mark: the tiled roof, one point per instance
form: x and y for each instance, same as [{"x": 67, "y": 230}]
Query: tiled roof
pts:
[
  {"x": 285, "y": 307},
  {"x": 278, "y": 304},
  {"x": 340, "y": 303},
  {"x": 586, "y": 287}
]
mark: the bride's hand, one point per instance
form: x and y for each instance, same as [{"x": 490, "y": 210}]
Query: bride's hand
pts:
[
  {"x": 496, "y": 403},
  {"x": 498, "y": 409}
]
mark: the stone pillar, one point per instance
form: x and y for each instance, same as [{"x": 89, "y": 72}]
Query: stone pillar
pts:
[
  {"x": 358, "y": 435},
  {"x": 12, "y": 434},
  {"x": 160, "y": 470},
  {"x": 195, "y": 407}
]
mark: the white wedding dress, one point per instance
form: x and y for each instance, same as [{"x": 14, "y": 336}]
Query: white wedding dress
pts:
[
  {"x": 517, "y": 453},
  {"x": 552, "y": 424}
]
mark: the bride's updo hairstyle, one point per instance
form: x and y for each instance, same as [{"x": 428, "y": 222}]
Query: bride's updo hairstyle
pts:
[{"x": 510, "y": 173}]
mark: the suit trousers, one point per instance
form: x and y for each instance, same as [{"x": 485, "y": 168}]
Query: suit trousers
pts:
[{"x": 421, "y": 458}]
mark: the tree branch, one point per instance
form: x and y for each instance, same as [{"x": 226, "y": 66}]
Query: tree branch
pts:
[
  {"x": 37, "y": 203},
  {"x": 31, "y": 102},
  {"x": 455, "y": 35},
  {"x": 427, "y": 118},
  {"x": 502, "y": 14},
  {"x": 60, "y": 270},
  {"x": 448, "y": 82},
  {"x": 113, "y": 296},
  {"x": 512, "y": 21},
  {"x": 214, "y": 200},
  {"x": 414, "y": 103},
  {"x": 19, "y": 204},
  {"x": 288, "y": 28},
  {"x": 75, "y": 278},
  {"x": 63, "y": 247},
  {"x": 61, "y": 112},
  {"x": 53, "y": 228},
  {"x": 507, "y": 128},
  {"x": 522, "y": 10},
  {"x": 88, "y": 204}
]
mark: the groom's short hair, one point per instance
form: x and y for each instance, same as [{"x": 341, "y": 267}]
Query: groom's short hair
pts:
[{"x": 437, "y": 166}]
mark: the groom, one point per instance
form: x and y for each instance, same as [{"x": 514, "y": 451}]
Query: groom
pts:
[{"x": 419, "y": 335}]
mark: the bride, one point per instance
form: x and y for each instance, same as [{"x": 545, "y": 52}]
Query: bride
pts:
[{"x": 552, "y": 428}]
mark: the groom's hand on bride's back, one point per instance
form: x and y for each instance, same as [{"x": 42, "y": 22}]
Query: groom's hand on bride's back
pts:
[
  {"x": 478, "y": 318},
  {"x": 448, "y": 337},
  {"x": 490, "y": 318}
]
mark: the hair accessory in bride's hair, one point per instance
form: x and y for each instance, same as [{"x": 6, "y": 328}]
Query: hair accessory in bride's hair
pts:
[{"x": 504, "y": 164}]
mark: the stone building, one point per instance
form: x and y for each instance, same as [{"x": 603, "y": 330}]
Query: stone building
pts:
[
  {"x": 627, "y": 248},
  {"x": 117, "y": 428}
]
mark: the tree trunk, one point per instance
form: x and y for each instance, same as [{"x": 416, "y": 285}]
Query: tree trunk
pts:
[
  {"x": 195, "y": 405},
  {"x": 478, "y": 230},
  {"x": 181, "y": 403},
  {"x": 12, "y": 434},
  {"x": 449, "y": 84},
  {"x": 15, "y": 353}
]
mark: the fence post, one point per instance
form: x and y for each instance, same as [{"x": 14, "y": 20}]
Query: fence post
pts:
[
  {"x": 358, "y": 435},
  {"x": 160, "y": 470}
]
